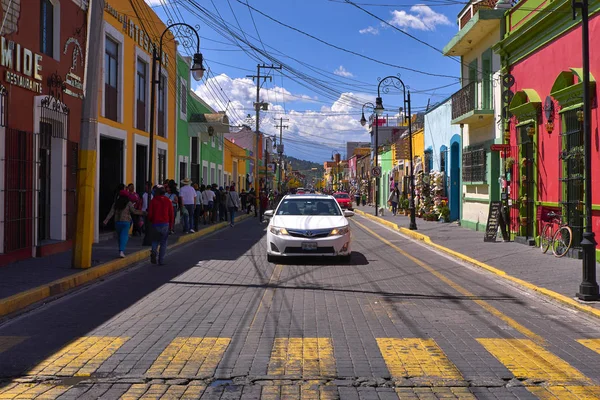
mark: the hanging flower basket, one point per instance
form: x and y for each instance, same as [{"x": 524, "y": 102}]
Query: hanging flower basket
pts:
[
  {"x": 530, "y": 131},
  {"x": 507, "y": 135},
  {"x": 549, "y": 127},
  {"x": 523, "y": 178},
  {"x": 509, "y": 162}
]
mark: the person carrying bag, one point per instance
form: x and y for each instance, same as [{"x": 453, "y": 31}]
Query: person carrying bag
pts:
[{"x": 233, "y": 203}]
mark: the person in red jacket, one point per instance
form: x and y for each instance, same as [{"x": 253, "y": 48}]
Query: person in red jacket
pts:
[{"x": 160, "y": 215}]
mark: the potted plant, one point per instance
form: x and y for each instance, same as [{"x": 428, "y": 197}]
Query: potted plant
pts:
[
  {"x": 523, "y": 221},
  {"x": 524, "y": 161},
  {"x": 510, "y": 161},
  {"x": 523, "y": 178},
  {"x": 445, "y": 214},
  {"x": 405, "y": 206}
]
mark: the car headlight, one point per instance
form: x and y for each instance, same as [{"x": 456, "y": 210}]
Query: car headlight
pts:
[
  {"x": 339, "y": 231},
  {"x": 278, "y": 231}
]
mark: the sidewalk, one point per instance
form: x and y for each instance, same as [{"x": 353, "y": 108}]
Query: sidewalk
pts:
[
  {"x": 558, "y": 278},
  {"x": 26, "y": 282}
]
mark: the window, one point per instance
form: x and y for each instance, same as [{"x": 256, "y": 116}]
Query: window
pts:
[
  {"x": 443, "y": 153},
  {"x": 183, "y": 100},
  {"x": 473, "y": 163},
  {"x": 142, "y": 85},
  {"x": 162, "y": 165},
  {"x": 212, "y": 175},
  {"x": 182, "y": 171},
  {"x": 220, "y": 141},
  {"x": 308, "y": 207},
  {"x": 205, "y": 175},
  {"x": 428, "y": 160},
  {"x": 47, "y": 27},
  {"x": 161, "y": 130},
  {"x": 195, "y": 166},
  {"x": 573, "y": 173},
  {"x": 111, "y": 67},
  {"x": 212, "y": 140}
]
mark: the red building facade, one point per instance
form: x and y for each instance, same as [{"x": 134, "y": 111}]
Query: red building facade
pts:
[
  {"x": 542, "y": 58},
  {"x": 41, "y": 90}
]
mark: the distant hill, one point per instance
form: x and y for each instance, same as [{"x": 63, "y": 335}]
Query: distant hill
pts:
[{"x": 305, "y": 167}]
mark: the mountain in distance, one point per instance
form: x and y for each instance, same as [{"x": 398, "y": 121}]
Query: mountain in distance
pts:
[{"x": 305, "y": 168}]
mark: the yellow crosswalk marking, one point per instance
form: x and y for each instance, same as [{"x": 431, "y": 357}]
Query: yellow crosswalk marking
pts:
[
  {"x": 81, "y": 357},
  {"x": 6, "y": 342},
  {"x": 534, "y": 364},
  {"x": 32, "y": 391},
  {"x": 417, "y": 358},
  {"x": 593, "y": 344},
  {"x": 527, "y": 360},
  {"x": 190, "y": 356},
  {"x": 308, "y": 357},
  {"x": 461, "y": 393},
  {"x": 306, "y": 391}
]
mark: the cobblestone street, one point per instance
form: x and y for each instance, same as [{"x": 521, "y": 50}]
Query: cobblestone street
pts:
[{"x": 220, "y": 322}]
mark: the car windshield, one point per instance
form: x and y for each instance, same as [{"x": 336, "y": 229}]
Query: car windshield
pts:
[
  {"x": 308, "y": 207},
  {"x": 341, "y": 196}
]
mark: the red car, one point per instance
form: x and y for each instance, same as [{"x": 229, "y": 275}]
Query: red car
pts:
[{"x": 343, "y": 200}]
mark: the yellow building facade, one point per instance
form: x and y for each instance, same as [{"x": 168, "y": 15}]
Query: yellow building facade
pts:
[
  {"x": 234, "y": 165},
  {"x": 130, "y": 32}
]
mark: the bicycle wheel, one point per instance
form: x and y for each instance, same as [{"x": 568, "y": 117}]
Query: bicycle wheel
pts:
[
  {"x": 561, "y": 242},
  {"x": 546, "y": 238}
]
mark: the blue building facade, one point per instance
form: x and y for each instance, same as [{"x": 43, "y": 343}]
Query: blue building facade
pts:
[{"x": 443, "y": 152}]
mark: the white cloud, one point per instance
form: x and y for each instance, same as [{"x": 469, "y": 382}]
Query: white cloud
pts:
[
  {"x": 312, "y": 135},
  {"x": 341, "y": 71},
  {"x": 421, "y": 18},
  {"x": 370, "y": 29}
]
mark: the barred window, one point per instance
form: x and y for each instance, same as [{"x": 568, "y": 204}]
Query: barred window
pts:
[
  {"x": 428, "y": 160},
  {"x": 473, "y": 164}
]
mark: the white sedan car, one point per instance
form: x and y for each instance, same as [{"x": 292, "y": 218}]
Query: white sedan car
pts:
[{"x": 308, "y": 225}]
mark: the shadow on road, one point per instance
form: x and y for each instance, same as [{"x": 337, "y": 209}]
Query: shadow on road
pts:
[
  {"x": 356, "y": 259},
  {"x": 54, "y": 325}
]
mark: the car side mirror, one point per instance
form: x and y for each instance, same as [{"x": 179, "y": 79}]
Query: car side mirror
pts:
[
  {"x": 269, "y": 213},
  {"x": 348, "y": 214}
]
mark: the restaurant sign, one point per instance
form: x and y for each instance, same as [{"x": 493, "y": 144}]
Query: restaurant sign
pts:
[{"x": 23, "y": 66}]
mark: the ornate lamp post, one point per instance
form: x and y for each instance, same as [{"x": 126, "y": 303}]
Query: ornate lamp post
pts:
[
  {"x": 396, "y": 82},
  {"x": 197, "y": 70},
  {"x": 363, "y": 122}
]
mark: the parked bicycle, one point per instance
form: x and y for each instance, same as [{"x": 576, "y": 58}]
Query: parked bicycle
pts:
[{"x": 559, "y": 239}]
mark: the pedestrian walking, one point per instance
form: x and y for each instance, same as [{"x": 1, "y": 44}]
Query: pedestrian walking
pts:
[
  {"x": 216, "y": 206},
  {"x": 364, "y": 199},
  {"x": 198, "y": 209},
  {"x": 171, "y": 194},
  {"x": 233, "y": 204},
  {"x": 244, "y": 199},
  {"x": 223, "y": 204},
  {"x": 264, "y": 203},
  {"x": 161, "y": 216},
  {"x": 188, "y": 200},
  {"x": 393, "y": 199},
  {"x": 251, "y": 201},
  {"x": 122, "y": 209},
  {"x": 136, "y": 220},
  {"x": 208, "y": 198}
]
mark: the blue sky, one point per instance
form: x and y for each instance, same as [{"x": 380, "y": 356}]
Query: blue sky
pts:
[{"x": 321, "y": 88}]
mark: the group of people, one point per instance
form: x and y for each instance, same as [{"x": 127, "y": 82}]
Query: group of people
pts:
[{"x": 196, "y": 205}]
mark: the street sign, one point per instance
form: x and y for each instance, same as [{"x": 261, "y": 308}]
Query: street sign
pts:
[
  {"x": 376, "y": 172},
  {"x": 500, "y": 147}
]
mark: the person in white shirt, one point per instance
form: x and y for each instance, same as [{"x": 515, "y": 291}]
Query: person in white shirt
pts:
[
  {"x": 188, "y": 199},
  {"x": 208, "y": 199},
  {"x": 198, "y": 207}
]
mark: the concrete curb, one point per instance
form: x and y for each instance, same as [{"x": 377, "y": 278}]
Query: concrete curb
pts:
[
  {"x": 427, "y": 240},
  {"x": 19, "y": 301}
]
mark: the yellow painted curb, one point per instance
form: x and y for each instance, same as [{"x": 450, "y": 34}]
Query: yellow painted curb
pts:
[
  {"x": 24, "y": 299},
  {"x": 546, "y": 292}
]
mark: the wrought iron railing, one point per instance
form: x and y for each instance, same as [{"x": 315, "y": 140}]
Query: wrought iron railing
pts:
[
  {"x": 472, "y": 9},
  {"x": 464, "y": 100}
]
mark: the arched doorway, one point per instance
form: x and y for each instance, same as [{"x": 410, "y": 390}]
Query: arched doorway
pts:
[{"x": 454, "y": 181}]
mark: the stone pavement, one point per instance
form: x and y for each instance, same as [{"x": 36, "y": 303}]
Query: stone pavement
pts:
[
  {"x": 561, "y": 275},
  {"x": 220, "y": 322},
  {"x": 27, "y": 274}
]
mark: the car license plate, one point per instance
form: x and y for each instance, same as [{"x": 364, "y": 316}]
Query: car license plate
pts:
[{"x": 309, "y": 246}]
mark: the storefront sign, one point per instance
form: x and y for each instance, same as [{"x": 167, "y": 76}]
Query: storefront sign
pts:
[
  {"x": 135, "y": 32},
  {"x": 73, "y": 82},
  {"x": 23, "y": 67}
]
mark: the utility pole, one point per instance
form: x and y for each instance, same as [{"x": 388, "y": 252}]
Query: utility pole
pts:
[
  {"x": 257, "y": 106},
  {"x": 87, "y": 154},
  {"x": 280, "y": 149},
  {"x": 588, "y": 289}
]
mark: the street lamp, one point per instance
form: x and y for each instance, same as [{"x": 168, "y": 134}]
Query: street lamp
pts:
[
  {"x": 363, "y": 122},
  {"x": 396, "y": 82},
  {"x": 197, "y": 71}
]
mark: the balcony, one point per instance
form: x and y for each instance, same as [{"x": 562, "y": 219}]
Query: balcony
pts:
[
  {"x": 477, "y": 20},
  {"x": 473, "y": 104}
]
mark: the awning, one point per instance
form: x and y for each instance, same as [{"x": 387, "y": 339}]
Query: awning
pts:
[{"x": 206, "y": 125}]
